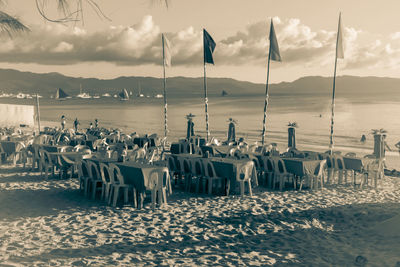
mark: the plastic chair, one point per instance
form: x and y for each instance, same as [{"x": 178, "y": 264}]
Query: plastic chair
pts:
[
  {"x": 351, "y": 154},
  {"x": 316, "y": 177},
  {"x": 83, "y": 176},
  {"x": 269, "y": 171},
  {"x": 106, "y": 186},
  {"x": 281, "y": 174},
  {"x": 94, "y": 182},
  {"x": 46, "y": 163},
  {"x": 244, "y": 175},
  {"x": 159, "y": 182},
  {"x": 119, "y": 183},
  {"x": 185, "y": 166},
  {"x": 211, "y": 175},
  {"x": 340, "y": 169},
  {"x": 197, "y": 172},
  {"x": 330, "y": 164}
]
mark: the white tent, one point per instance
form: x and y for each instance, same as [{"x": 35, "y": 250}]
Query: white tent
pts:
[{"x": 15, "y": 115}]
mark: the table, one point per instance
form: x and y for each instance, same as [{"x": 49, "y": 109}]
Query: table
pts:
[
  {"x": 229, "y": 169},
  {"x": 72, "y": 156},
  {"x": 138, "y": 174},
  {"x": 301, "y": 166}
]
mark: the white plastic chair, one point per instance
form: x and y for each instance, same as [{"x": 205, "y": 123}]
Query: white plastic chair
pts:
[
  {"x": 244, "y": 175},
  {"x": 119, "y": 183},
  {"x": 314, "y": 179},
  {"x": 281, "y": 174},
  {"x": 211, "y": 175},
  {"x": 159, "y": 180},
  {"x": 95, "y": 182},
  {"x": 106, "y": 186}
]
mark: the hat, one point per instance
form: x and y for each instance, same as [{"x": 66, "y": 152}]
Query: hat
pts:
[{"x": 190, "y": 115}]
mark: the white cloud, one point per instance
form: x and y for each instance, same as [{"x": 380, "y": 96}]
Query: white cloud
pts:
[{"x": 140, "y": 44}]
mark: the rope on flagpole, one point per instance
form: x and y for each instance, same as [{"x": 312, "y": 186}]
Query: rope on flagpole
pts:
[
  {"x": 165, "y": 92},
  {"x": 206, "y": 102},
  {"x": 331, "y": 141},
  {"x": 266, "y": 99}
]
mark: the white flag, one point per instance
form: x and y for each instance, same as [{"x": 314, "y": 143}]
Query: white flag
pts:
[
  {"x": 339, "y": 42},
  {"x": 166, "y": 51}
]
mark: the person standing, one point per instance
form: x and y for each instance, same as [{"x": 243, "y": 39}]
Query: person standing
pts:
[
  {"x": 96, "y": 123},
  {"x": 76, "y": 123},
  {"x": 63, "y": 122}
]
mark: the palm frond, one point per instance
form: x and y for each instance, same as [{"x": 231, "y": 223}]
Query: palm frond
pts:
[{"x": 10, "y": 24}]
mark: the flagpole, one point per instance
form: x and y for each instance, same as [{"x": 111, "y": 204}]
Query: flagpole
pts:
[
  {"x": 266, "y": 97},
  {"x": 206, "y": 101},
  {"x": 37, "y": 111},
  {"x": 165, "y": 91},
  {"x": 331, "y": 143}
]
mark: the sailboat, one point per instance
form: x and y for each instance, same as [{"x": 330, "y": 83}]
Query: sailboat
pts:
[
  {"x": 83, "y": 95},
  {"x": 61, "y": 95},
  {"x": 124, "y": 96},
  {"x": 140, "y": 92}
]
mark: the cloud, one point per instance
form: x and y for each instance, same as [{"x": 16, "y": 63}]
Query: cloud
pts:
[{"x": 140, "y": 44}]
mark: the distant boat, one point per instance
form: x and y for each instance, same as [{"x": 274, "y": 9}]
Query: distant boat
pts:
[
  {"x": 106, "y": 95},
  {"x": 140, "y": 92},
  {"x": 96, "y": 96},
  {"x": 224, "y": 93},
  {"x": 60, "y": 94},
  {"x": 124, "y": 96},
  {"x": 159, "y": 96},
  {"x": 83, "y": 95}
]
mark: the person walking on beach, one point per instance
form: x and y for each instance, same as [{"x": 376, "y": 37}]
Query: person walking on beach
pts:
[
  {"x": 76, "y": 123},
  {"x": 96, "y": 123},
  {"x": 63, "y": 122}
]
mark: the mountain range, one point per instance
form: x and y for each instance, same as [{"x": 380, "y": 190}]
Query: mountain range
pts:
[{"x": 351, "y": 87}]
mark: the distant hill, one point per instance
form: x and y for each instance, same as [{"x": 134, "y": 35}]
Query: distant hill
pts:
[{"x": 351, "y": 87}]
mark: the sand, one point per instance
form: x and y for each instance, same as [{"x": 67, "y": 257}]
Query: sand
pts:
[{"x": 48, "y": 222}]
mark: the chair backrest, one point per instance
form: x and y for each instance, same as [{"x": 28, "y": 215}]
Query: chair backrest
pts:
[
  {"x": 116, "y": 173},
  {"x": 339, "y": 162},
  {"x": 370, "y": 156},
  {"x": 105, "y": 173},
  {"x": 171, "y": 163},
  {"x": 269, "y": 165},
  {"x": 197, "y": 167},
  {"x": 245, "y": 171},
  {"x": 351, "y": 154},
  {"x": 85, "y": 169},
  {"x": 94, "y": 170},
  {"x": 209, "y": 169},
  {"x": 185, "y": 165},
  {"x": 330, "y": 161},
  {"x": 279, "y": 166}
]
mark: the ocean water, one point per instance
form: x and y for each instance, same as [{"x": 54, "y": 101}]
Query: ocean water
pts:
[{"x": 312, "y": 113}]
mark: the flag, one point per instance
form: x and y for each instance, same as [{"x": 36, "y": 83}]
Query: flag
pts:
[
  {"x": 273, "y": 44},
  {"x": 166, "y": 51},
  {"x": 339, "y": 42},
  {"x": 209, "y": 46}
]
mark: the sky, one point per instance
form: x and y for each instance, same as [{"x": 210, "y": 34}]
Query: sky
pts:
[{"x": 128, "y": 41}]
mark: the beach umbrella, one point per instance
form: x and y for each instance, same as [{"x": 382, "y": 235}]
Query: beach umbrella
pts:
[{"x": 272, "y": 55}]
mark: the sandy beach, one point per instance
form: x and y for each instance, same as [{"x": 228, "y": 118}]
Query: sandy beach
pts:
[{"x": 48, "y": 222}]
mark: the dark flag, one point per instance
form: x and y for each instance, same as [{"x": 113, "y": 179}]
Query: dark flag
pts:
[{"x": 209, "y": 46}]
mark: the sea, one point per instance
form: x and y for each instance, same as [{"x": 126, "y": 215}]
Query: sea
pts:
[{"x": 352, "y": 119}]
